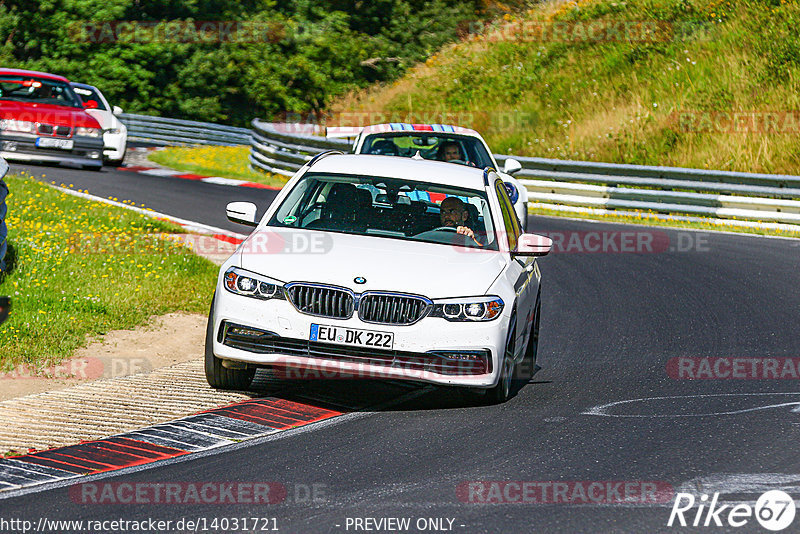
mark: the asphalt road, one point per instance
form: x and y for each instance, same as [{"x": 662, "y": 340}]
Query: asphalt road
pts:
[{"x": 612, "y": 322}]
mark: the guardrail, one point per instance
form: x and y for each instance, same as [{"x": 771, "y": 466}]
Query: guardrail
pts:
[
  {"x": 162, "y": 131},
  {"x": 554, "y": 183},
  {"x": 3, "y": 213},
  {"x": 282, "y": 151},
  {"x": 723, "y": 194}
]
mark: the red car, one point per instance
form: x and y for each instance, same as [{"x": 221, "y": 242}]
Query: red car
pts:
[{"x": 43, "y": 120}]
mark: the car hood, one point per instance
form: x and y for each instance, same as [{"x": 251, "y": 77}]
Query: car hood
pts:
[
  {"x": 431, "y": 270},
  {"x": 46, "y": 113}
]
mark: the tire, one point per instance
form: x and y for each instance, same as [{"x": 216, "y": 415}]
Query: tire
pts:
[
  {"x": 502, "y": 391},
  {"x": 220, "y": 377},
  {"x": 528, "y": 366}
]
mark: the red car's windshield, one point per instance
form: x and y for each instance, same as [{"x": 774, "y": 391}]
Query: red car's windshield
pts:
[{"x": 37, "y": 90}]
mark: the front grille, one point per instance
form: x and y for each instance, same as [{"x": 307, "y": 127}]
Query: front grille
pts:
[
  {"x": 321, "y": 301},
  {"x": 260, "y": 342},
  {"x": 49, "y": 129},
  {"x": 388, "y": 308}
]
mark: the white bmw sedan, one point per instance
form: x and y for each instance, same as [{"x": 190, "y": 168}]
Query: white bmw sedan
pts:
[{"x": 381, "y": 267}]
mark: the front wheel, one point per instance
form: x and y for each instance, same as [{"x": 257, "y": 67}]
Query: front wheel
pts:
[
  {"x": 502, "y": 391},
  {"x": 218, "y": 376}
]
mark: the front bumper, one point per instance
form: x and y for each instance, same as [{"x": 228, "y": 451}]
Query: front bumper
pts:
[
  {"x": 279, "y": 336},
  {"x": 114, "y": 146},
  {"x": 86, "y": 151}
]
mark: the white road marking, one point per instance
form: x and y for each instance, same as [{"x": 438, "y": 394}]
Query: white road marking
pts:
[
  {"x": 602, "y": 410},
  {"x": 222, "y": 181}
]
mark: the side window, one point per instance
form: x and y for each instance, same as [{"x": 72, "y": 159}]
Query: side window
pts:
[{"x": 510, "y": 221}]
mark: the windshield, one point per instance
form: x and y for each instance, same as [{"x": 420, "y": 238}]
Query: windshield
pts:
[
  {"x": 435, "y": 145},
  {"x": 90, "y": 97},
  {"x": 388, "y": 207},
  {"x": 38, "y": 90}
]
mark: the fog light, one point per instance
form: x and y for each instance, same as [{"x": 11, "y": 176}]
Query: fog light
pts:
[
  {"x": 94, "y": 154},
  {"x": 10, "y": 146}
]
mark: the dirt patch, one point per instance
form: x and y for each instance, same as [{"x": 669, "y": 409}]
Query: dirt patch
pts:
[{"x": 165, "y": 341}]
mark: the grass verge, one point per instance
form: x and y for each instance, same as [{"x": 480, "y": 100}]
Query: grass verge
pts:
[
  {"x": 647, "y": 219},
  {"x": 224, "y": 161},
  {"x": 80, "y": 268}
]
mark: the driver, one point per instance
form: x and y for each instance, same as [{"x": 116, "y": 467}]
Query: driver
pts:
[
  {"x": 453, "y": 213},
  {"x": 449, "y": 151}
]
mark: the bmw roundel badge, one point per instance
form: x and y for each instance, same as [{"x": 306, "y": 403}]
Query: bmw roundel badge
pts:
[{"x": 360, "y": 280}]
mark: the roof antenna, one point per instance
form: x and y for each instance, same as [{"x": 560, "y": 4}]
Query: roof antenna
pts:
[{"x": 417, "y": 156}]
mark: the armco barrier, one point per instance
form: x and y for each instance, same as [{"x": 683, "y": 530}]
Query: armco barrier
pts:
[
  {"x": 557, "y": 183},
  {"x": 3, "y": 213},
  {"x": 162, "y": 131}
]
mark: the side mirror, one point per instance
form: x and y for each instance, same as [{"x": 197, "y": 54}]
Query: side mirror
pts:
[
  {"x": 116, "y": 110},
  {"x": 512, "y": 166},
  {"x": 242, "y": 213},
  {"x": 533, "y": 245},
  {"x": 5, "y": 307}
]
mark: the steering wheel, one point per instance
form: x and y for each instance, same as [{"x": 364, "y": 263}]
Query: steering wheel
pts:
[
  {"x": 459, "y": 161},
  {"x": 445, "y": 228}
]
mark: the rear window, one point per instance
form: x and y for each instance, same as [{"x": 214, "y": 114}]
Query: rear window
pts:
[{"x": 90, "y": 96}]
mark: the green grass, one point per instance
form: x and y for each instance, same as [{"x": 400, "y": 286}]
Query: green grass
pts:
[
  {"x": 618, "y": 100},
  {"x": 224, "y": 161},
  {"x": 80, "y": 268}
]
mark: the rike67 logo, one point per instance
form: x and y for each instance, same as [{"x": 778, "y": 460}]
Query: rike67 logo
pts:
[{"x": 774, "y": 510}]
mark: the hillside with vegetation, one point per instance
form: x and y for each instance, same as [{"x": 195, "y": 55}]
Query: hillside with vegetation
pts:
[
  {"x": 226, "y": 61},
  {"x": 694, "y": 83}
]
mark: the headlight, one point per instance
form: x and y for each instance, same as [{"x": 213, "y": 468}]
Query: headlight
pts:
[
  {"x": 468, "y": 308},
  {"x": 88, "y": 132},
  {"x": 12, "y": 125},
  {"x": 113, "y": 131},
  {"x": 253, "y": 285}
]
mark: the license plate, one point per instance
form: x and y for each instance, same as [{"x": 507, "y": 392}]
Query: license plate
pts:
[
  {"x": 62, "y": 144},
  {"x": 351, "y": 336}
]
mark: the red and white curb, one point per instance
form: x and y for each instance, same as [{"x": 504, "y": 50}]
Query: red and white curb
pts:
[
  {"x": 157, "y": 171},
  {"x": 207, "y": 430}
]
